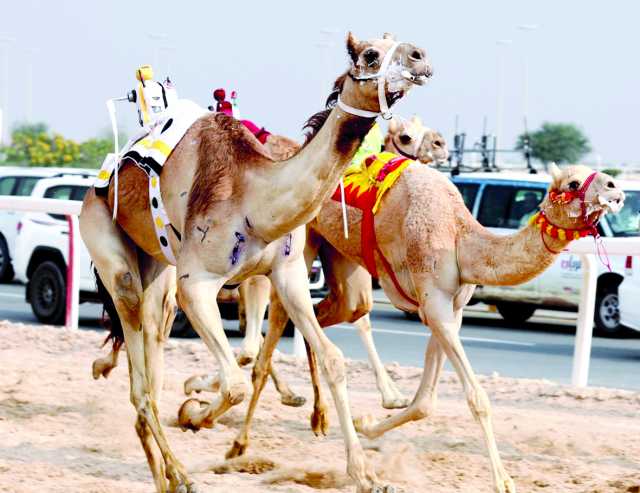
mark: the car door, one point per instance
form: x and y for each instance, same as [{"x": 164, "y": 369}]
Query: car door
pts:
[{"x": 505, "y": 208}]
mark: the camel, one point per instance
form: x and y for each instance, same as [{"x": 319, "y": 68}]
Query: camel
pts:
[
  {"x": 236, "y": 213},
  {"x": 437, "y": 253},
  {"x": 407, "y": 138},
  {"x": 411, "y": 139}
]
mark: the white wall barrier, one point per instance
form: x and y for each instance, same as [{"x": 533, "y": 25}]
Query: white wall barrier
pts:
[
  {"x": 583, "y": 247},
  {"x": 71, "y": 209},
  {"x": 584, "y": 330}
]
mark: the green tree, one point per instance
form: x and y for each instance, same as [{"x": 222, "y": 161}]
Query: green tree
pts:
[
  {"x": 93, "y": 151},
  {"x": 33, "y": 144},
  {"x": 557, "y": 142}
]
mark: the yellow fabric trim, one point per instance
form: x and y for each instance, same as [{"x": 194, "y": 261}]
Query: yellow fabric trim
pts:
[
  {"x": 562, "y": 234},
  {"x": 154, "y": 182},
  {"x": 362, "y": 178},
  {"x": 162, "y": 147},
  {"x": 104, "y": 174},
  {"x": 159, "y": 223}
]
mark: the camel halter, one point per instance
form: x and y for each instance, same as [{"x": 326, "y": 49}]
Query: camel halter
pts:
[
  {"x": 541, "y": 221},
  {"x": 381, "y": 77}
]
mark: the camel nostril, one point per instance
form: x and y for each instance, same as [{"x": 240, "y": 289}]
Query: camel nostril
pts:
[{"x": 416, "y": 55}]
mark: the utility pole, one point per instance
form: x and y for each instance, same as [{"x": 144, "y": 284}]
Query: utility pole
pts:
[
  {"x": 4, "y": 123},
  {"x": 501, "y": 45},
  {"x": 526, "y": 28}
]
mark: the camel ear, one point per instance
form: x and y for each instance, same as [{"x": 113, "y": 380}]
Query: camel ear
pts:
[
  {"x": 416, "y": 120},
  {"x": 390, "y": 36},
  {"x": 394, "y": 125},
  {"x": 352, "y": 47},
  {"x": 556, "y": 174}
]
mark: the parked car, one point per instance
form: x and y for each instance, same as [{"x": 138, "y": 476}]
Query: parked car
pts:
[
  {"x": 20, "y": 181},
  {"x": 630, "y": 295},
  {"x": 42, "y": 254},
  {"x": 503, "y": 202}
]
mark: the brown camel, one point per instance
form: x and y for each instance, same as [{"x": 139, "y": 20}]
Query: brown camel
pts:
[
  {"x": 437, "y": 253},
  {"x": 410, "y": 139},
  {"x": 236, "y": 214}
]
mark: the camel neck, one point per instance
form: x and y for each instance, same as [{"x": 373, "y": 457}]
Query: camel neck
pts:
[
  {"x": 288, "y": 194},
  {"x": 496, "y": 260}
]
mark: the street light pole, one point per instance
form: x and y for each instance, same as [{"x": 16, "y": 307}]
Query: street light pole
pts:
[
  {"x": 526, "y": 28},
  {"x": 4, "y": 129},
  {"x": 501, "y": 44}
]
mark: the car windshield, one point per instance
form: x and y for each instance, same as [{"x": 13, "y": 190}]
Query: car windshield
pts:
[{"x": 627, "y": 221}]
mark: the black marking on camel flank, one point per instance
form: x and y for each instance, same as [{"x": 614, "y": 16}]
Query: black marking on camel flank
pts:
[
  {"x": 246, "y": 221},
  {"x": 203, "y": 231},
  {"x": 184, "y": 276},
  {"x": 287, "y": 246},
  {"x": 237, "y": 248}
]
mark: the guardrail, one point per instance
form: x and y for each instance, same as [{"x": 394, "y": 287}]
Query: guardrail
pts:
[
  {"x": 71, "y": 209},
  {"x": 583, "y": 247},
  {"x": 584, "y": 329}
]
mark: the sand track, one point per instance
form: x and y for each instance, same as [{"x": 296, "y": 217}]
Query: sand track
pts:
[{"x": 61, "y": 431}]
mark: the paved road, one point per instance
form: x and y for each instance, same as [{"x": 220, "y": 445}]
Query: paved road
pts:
[{"x": 542, "y": 348}]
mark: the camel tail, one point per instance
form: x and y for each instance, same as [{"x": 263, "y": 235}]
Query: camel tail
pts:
[{"x": 110, "y": 318}]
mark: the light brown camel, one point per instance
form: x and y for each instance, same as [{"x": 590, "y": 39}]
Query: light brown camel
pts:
[
  {"x": 438, "y": 252},
  {"x": 238, "y": 214},
  {"x": 408, "y": 138}
]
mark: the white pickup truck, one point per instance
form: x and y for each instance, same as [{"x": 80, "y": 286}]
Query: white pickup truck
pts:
[
  {"x": 20, "y": 181},
  {"x": 42, "y": 247},
  {"x": 503, "y": 202}
]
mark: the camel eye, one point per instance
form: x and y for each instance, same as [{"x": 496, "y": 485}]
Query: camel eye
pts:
[
  {"x": 574, "y": 185},
  {"x": 416, "y": 55},
  {"x": 370, "y": 57},
  {"x": 405, "y": 139}
]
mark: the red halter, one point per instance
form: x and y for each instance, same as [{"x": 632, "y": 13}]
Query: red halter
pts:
[{"x": 591, "y": 226}]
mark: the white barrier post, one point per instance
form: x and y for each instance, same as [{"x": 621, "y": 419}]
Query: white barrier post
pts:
[
  {"x": 73, "y": 274},
  {"x": 299, "y": 351},
  {"x": 584, "y": 330}
]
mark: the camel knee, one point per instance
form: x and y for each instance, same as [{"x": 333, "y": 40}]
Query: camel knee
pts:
[
  {"x": 424, "y": 408},
  {"x": 332, "y": 361},
  {"x": 358, "y": 307},
  {"x": 479, "y": 403},
  {"x": 127, "y": 291}
]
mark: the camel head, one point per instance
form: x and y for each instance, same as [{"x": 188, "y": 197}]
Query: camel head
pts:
[
  {"x": 413, "y": 140},
  {"x": 397, "y": 66},
  {"x": 579, "y": 197}
]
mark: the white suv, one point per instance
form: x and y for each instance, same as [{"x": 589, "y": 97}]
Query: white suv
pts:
[
  {"x": 20, "y": 181},
  {"x": 42, "y": 247},
  {"x": 503, "y": 202}
]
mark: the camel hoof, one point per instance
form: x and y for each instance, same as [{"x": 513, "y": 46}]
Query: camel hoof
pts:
[
  {"x": 190, "y": 385},
  {"x": 508, "y": 486},
  {"x": 100, "y": 368},
  {"x": 395, "y": 403},
  {"x": 320, "y": 421},
  {"x": 293, "y": 400},
  {"x": 364, "y": 425},
  {"x": 189, "y": 409},
  {"x": 236, "y": 450}
]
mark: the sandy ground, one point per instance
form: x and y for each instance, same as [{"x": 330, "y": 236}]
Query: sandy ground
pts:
[{"x": 61, "y": 431}]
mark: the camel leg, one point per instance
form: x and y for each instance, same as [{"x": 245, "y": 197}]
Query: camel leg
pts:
[
  {"x": 115, "y": 258},
  {"x": 103, "y": 366},
  {"x": 320, "y": 414},
  {"x": 438, "y": 310},
  {"x": 254, "y": 295},
  {"x": 292, "y": 285},
  {"x": 392, "y": 398},
  {"x": 194, "y": 289},
  {"x": 277, "y": 322}
]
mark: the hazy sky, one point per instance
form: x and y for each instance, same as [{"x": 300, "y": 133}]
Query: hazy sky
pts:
[{"x": 583, "y": 60}]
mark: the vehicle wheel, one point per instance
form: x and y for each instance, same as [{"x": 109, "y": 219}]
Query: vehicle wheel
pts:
[
  {"x": 48, "y": 293},
  {"x": 6, "y": 269},
  {"x": 516, "y": 313},
  {"x": 182, "y": 327},
  {"x": 607, "y": 314}
]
